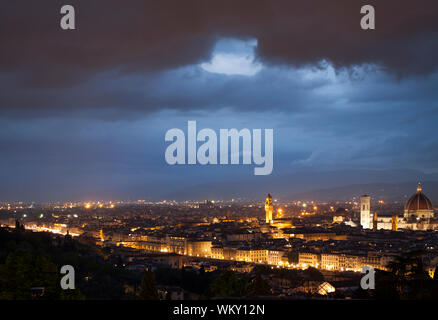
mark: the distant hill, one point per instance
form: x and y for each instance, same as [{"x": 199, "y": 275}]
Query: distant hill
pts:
[
  {"x": 320, "y": 186},
  {"x": 381, "y": 191}
]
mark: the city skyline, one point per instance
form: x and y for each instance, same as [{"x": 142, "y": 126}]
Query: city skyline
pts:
[{"x": 295, "y": 250}]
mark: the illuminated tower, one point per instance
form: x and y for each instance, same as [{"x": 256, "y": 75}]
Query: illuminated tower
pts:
[
  {"x": 365, "y": 218},
  {"x": 375, "y": 221},
  {"x": 269, "y": 208},
  {"x": 394, "y": 221}
]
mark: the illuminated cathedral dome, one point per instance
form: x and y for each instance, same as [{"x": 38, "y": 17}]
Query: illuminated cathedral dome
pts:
[{"x": 419, "y": 205}]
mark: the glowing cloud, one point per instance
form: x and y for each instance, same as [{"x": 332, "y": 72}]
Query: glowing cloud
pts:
[{"x": 233, "y": 57}]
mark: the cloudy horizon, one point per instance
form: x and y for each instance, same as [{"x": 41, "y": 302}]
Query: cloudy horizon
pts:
[{"x": 84, "y": 112}]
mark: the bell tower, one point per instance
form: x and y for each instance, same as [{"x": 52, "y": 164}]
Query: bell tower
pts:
[
  {"x": 375, "y": 219},
  {"x": 269, "y": 208},
  {"x": 365, "y": 218}
]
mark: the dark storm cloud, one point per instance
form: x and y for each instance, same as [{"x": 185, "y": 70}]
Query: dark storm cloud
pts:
[
  {"x": 66, "y": 95},
  {"x": 113, "y": 96},
  {"x": 140, "y": 36}
]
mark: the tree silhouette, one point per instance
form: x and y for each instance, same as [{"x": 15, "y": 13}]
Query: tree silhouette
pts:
[
  {"x": 227, "y": 284},
  {"x": 23, "y": 271},
  {"x": 313, "y": 274},
  {"x": 18, "y": 226},
  {"x": 260, "y": 286},
  {"x": 148, "y": 291},
  {"x": 409, "y": 274}
]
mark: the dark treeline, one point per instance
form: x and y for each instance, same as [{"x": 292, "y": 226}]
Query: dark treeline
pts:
[{"x": 33, "y": 260}]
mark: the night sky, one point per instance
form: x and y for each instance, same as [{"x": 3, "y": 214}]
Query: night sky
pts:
[{"x": 84, "y": 112}]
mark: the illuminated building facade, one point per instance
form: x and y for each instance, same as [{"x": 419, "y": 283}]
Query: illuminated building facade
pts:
[
  {"x": 340, "y": 215},
  {"x": 169, "y": 244},
  {"x": 308, "y": 259},
  {"x": 255, "y": 255},
  {"x": 418, "y": 215},
  {"x": 199, "y": 248},
  {"x": 349, "y": 262}
]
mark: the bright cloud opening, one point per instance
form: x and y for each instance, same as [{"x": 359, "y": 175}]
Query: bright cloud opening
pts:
[{"x": 233, "y": 57}]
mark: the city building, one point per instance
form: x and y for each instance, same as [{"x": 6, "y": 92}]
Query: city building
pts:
[
  {"x": 418, "y": 215},
  {"x": 308, "y": 259}
]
